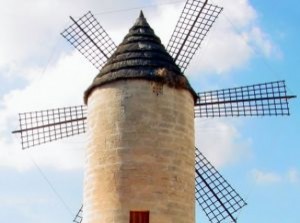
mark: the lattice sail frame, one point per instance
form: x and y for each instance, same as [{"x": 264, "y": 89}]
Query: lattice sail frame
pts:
[
  {"x": 78, "y": 218},
  {"x": 253, "y": 100},
  {"x": 213, "y": 193},
  {"x": 44, "y": 126},
  {"x": 193, "y": 25},
  {"x": 90, "y": 39}
]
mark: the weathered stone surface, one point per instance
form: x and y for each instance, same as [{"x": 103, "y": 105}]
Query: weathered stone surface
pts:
[{"x": 140, "y": 153}]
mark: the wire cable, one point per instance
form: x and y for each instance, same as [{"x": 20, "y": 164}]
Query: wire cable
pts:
[
  {"x": 138, "y": 8},
  {"x": 50, "y": 58},
  {"x": 59, "y": 197},
  {"x": 44, "y": 176}
]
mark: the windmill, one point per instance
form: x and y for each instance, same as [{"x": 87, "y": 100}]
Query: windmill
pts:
[{"x": 142, "y": 57}]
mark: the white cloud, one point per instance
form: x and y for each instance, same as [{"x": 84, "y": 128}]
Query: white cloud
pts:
[
  {"x": 32, "y": 31},
  {"x": 262, "y": 177},
  {"x": 163, "y": 20},
  {"x": 66, "y": 154},
  {"x": 10, "y": 200},
  {"x": 61, "y": 86},
  {"x": 220, "y": 142},
  {"x": 32, "y": 27},
  {"x": 291, "y": 176},
  {"x": 233, "y": 40}
]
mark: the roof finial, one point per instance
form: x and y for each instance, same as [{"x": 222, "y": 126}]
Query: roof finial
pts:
[
  {"x": 141, "y": 20},
  {"x": 142, "y": 14}
]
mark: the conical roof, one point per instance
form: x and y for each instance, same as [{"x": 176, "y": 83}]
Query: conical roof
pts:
[{"x": 141, "y": 55}]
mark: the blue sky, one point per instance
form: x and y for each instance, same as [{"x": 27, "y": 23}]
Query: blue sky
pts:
[{"x": 252, "y": 42}]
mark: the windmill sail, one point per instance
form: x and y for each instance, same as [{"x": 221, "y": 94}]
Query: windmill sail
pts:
[
  {"x": 216, "y": 197},
  {"x": 90, "y": 39},
  {"x": 44, "y": 126},
  {"x": 193, "y": 25},
  {"x": 271, "y": 98},
  {"x": 78, "y": 218},
  {"x": 254, "y": 100}
]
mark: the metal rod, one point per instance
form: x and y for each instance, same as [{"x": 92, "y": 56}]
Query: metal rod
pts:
[
  {"x": 88, "y": 37},
  {"x": 44, "y": 126},
  {"x": 216, "y": 196},
  {"x": 245, "y": 100},
  {"x": 188, "y": 35}
]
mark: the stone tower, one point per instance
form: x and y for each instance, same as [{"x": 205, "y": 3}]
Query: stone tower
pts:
[{"x": 140, "y": 161}]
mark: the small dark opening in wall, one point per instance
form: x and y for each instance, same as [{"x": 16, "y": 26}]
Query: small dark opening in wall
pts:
[{"x": 139, "y": 217}]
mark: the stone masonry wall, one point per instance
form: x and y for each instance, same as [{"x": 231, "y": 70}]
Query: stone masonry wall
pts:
[{"x": 140, "y": 154}]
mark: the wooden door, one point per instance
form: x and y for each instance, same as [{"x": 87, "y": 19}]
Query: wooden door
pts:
[{"x": 139, "y": 217}]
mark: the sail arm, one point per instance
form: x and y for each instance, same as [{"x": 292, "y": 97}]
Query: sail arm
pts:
[
  {"x": 78, "y": 218},
  {"x": 195, "y": 21},
  {"x": 90, "y": 39},
  {"x": 213, "y": 193},
  {"x": 266, "y": 99},
  {"x": 40, "y": 127}
]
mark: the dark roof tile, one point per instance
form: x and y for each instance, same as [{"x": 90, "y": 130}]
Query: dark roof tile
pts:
[{"x": 141, "y": 55}]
